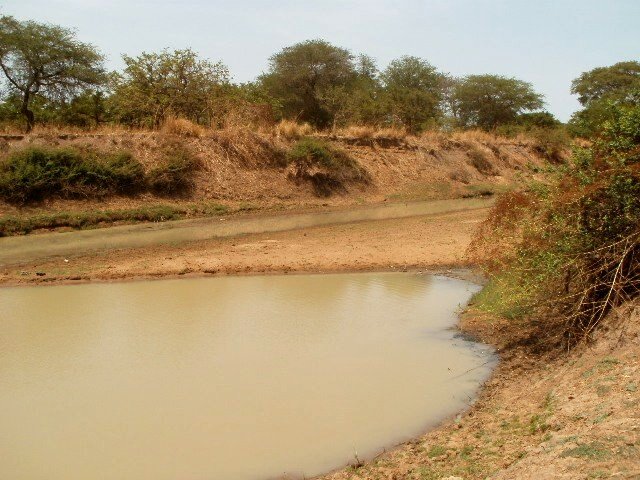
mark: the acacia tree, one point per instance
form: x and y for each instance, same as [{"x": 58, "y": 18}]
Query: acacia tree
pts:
[
  {"x": 301, "y": 75},
  {"x": 358, "y": 101},
  {"x": 602, "y": 89},
  {"x": 487, "y": 101},
  {"x": 46, "y": 60},
  {"x": 155, "y": 85},
  {"x": 414, "y": 90}
]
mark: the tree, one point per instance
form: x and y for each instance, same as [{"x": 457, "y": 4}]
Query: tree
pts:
[
  {"x": 600, "y": 91},
  {"x": 300, "y": 75},
  {"x": 487, "y": 101},
  {"x": 360, "y": 100},
  {"x": 538, "y": 120},
  {"x": 414, "y": 89},
  {"x": 611, "y": 82},
  {"x": 156, "y": 85},
  {"x": 46, "y": 60}
]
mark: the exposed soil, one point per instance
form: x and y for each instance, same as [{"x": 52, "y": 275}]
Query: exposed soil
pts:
[
  {"x": 246, "y": 170},
  {"x": 426, "y": 241}
]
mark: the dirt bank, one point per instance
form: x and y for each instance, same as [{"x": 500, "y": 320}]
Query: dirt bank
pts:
[{"x": 241, "y": 169}]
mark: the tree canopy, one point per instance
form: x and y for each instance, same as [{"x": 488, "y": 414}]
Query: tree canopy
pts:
[
  {"x": 300, "y": 75},
  {"x": 156, "y": 85},
  {"x": 601, "y": 90},
  {"x": 614, "y": 82},
  {"x": 45, "y": 60},
  {"x": 414, "y": 91},
  {"x": 487, "y": 101}
]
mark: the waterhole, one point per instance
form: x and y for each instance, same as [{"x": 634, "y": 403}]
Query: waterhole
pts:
[{"x": 227, "y": 378}]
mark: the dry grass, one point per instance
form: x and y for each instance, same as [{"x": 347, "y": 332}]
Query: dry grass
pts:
[
  {"x": 369, "y": 132},
  {"x": 52, "y": 130},
  {"x": 181, "y": 126},
  {"x": 292, "y": 130},
  {"x": 248, "y": 147}
]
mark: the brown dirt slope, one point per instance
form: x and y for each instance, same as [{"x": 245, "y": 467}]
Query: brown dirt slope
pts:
[{"x": 243, "y": 167}]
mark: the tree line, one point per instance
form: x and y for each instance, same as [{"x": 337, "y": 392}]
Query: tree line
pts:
[{"x": 52, "y": 77}]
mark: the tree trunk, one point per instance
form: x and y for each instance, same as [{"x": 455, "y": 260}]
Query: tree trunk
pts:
[{"x": 26, "y": 112}]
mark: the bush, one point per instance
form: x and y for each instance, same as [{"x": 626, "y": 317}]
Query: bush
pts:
[
  {"x": 328, "y": 169},
  {"x": 569, "y": 250},
  {"x": 175, "y": 176},
  {"x": 34, "y": 174}
]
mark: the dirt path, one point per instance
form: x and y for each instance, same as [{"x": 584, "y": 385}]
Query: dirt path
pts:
[{"x": 424, "y": 239}]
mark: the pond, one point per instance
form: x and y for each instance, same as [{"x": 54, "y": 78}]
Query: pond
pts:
[{"x": 229, "y": 377}]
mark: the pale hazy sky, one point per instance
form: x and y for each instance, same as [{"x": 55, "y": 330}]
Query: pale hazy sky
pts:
[{"x": 545, "y": 42}]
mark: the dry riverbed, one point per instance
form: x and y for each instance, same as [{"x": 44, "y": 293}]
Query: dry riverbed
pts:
[
  {"x": 401, "y": 243},
  {"x": 569, "y": 416}
]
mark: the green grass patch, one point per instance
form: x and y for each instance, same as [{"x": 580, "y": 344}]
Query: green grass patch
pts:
[
  {"x": 24, "y": 224},
  {"x": 593, "y": 451},
  {"x": 436, "y": 451}
]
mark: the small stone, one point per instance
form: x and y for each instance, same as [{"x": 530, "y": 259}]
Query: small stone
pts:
[{"x": 40, "y": 274}]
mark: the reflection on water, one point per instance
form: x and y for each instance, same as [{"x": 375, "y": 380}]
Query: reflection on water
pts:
[{"x": 226, "y": 378}]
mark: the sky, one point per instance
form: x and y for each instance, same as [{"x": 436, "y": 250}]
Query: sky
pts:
[{"x": 545, "y": 42}]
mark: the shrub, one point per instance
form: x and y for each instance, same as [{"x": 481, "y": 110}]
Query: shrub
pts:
[
  {"x": 569, "y": 250},
  {"x": 326, "y": 168},
  {"x": 175, "y": 175},
  {"x": 33, "y": 174}
]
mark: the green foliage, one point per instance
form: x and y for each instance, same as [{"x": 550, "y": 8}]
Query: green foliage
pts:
[
  {"x": 359, "y": 101},
  {"x": 300, "y": 75},
  {"x": 413, "y": 88},
  {"x": 154, "y": 86},
  {"x": 569, "y": 251},
  {"x": 601, "y": 91},
  {"x": 23, "y": 224},
  {"x": 328, "y": 169},
  {"x": 34, "y": 174},
  {"x": 533, "y": 120},
  {"x": 616, "y": 81},
  {"x": 47, "y": 61},
  {"x": 488, "y": 101}
]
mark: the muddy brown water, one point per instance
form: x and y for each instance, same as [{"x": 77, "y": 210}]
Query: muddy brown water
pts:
[
  {"x": 20, "y": 249},
  {"x": 227, "y": 378}
]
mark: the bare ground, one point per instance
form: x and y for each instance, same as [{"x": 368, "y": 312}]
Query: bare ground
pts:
[{"x": 416, "y": 242}]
